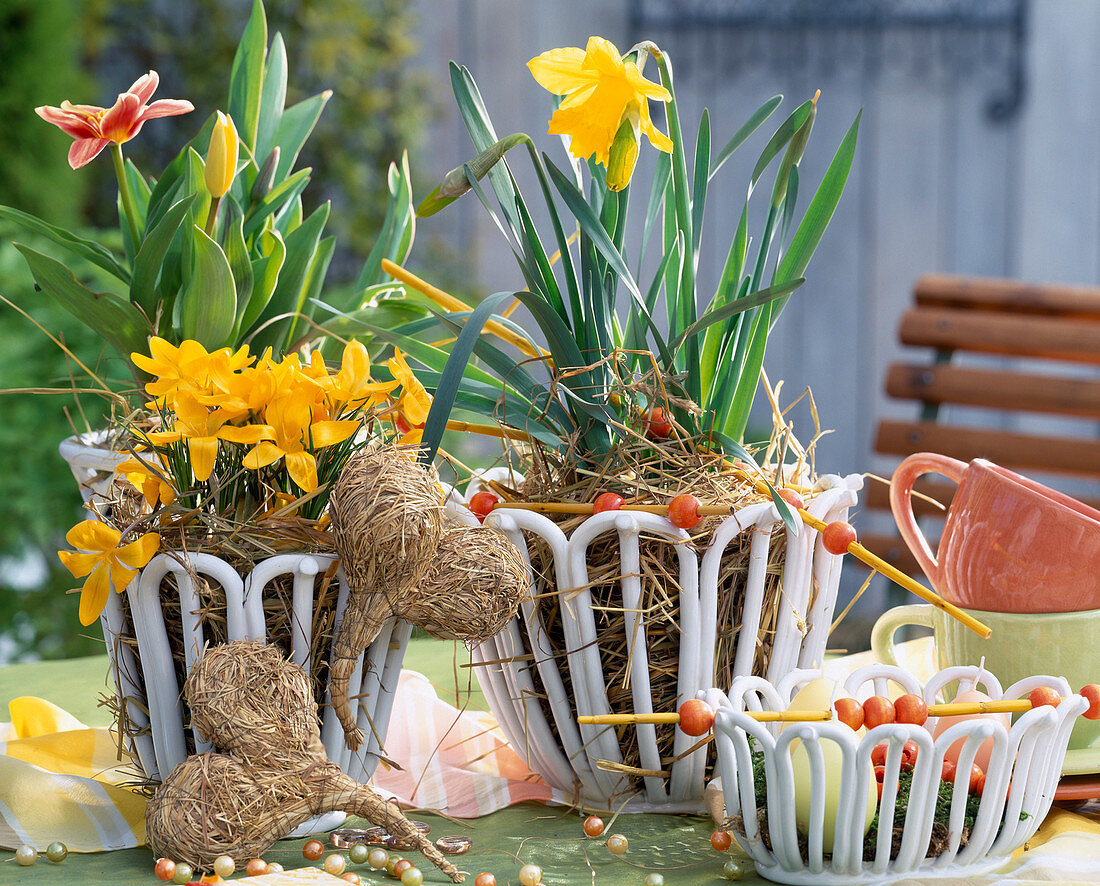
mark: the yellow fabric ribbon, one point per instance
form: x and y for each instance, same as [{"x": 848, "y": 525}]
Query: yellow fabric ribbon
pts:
[{"x": 61, "y": 780}]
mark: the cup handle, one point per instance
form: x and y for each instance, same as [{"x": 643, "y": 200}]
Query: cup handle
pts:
[
  {"x": 882, "y": 634},
  {"x": 901, "y": 503}
]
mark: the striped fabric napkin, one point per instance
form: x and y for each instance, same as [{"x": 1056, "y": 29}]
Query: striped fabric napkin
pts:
[{"x": 61, "y": 780}]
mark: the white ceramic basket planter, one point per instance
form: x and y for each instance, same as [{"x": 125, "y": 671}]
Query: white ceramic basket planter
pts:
[
  {"x": 158, "y": 739},
  {"x": 1021, "y": 778},
  {"x": 567, "y": 754},
  {"x": 147, "y": 684}
]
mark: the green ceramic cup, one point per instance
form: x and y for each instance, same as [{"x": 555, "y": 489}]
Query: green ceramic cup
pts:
[{"x": 1061, "y": 644}]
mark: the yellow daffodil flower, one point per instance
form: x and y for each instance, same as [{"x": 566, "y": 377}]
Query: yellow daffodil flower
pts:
[
  {"x": 221, "y": 159},
  {"x": 606, "y": 105},
  {"x": 145, "y": 480},
  {"x": 99, "y": 557},
  {"x": 291, "y": 435}
]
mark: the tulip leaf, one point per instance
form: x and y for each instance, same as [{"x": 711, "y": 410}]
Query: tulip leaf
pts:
[
  {"x": 294, "y": 128},
  {"x": 265, "y": 275},
  {"x": 166, "y": 190},
  {"x": 108, "y": 315},
  {"x": 208, "y": 304},
  {"x": 88, "y": 250},
  {"x": 275, "y": 200},
  {"x": 272, "y": 98},
  {"x": 150, "y": 258},
  {"x": 240, "y": 263},
  {"x": 301, "y": 246},
  {"x": 311, "y": 286},
  {"x": 246, "y": 77}
]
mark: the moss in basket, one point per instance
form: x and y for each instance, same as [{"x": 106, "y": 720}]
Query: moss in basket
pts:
[{"x": 939, "y": 839}]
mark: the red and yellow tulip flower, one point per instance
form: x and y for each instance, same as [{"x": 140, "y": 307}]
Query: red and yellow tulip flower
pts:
[{"x": 93, "y": 128}]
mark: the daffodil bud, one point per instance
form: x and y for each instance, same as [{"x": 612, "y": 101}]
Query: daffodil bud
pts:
[
  {"x": 221, "y": 160},
  {"x": 623, "y": 155}
]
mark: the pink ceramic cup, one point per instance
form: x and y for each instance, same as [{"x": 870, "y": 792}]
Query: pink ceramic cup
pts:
[{"x": 1009, "y": 544}]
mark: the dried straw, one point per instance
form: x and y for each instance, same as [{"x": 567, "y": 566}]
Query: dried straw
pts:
[
  {"x": 472, "y": 588},
  {"x": 273, "y": 775},
  {"x": 387, "y": 517}
]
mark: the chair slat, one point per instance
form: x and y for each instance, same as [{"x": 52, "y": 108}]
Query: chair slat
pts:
[
  {"x": 1025, "y": 452},
  {"x": 1008, "y": 295},
  {"x": 991, "y": 333},
  {"x": 996, "y": 389}
]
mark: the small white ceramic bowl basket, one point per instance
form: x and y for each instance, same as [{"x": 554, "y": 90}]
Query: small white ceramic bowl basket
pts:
[
  {"x": 1021, "y": 777},
  {"x": 567, "y": 754},
  {"x": 156, "y": 737}
]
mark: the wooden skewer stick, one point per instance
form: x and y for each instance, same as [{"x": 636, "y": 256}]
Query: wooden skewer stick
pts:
[
  {"x": 761, "y": 716},
  {"x": 1004, "y": 706},
  {"x": 449, "y": 302},
  {"x": 898, "y": 577}
]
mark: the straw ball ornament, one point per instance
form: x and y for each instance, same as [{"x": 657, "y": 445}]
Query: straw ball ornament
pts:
[
  {"x": 387, "y": 518},
  {"x": 473, "y": 587}
]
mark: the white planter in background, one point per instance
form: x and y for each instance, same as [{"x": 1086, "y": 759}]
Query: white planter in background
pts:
[{"x": 513, "y": 683}]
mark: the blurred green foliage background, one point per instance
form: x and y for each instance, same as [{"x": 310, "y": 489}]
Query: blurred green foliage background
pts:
[{"x": 87, "y": 51}]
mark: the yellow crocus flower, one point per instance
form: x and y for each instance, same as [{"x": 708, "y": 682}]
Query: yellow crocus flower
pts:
[
  {"x": 602, "y": 92},
  {"x": 293, "y": 437},
  {"x": 152, "y": 486},
  {"x": 202, "y": 428},
  {"x": 99, "y": 557},
  {"x": 414, "y": 403},
  {"x": 352, "y": 386}
]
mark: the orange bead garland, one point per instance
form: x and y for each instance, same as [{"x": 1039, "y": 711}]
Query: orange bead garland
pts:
[
  {"x": 836, "y": 537},
  {"x": 481, "y": 503},
  {"x": 1092, "y": 693}
]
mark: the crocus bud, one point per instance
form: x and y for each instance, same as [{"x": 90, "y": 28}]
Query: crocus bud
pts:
[
  {"x": 221, "y": 160},
  {"x": 623, "y": 155}
]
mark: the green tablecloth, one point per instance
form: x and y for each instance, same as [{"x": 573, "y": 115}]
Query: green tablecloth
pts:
[{"x": 678, "y": 847}]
